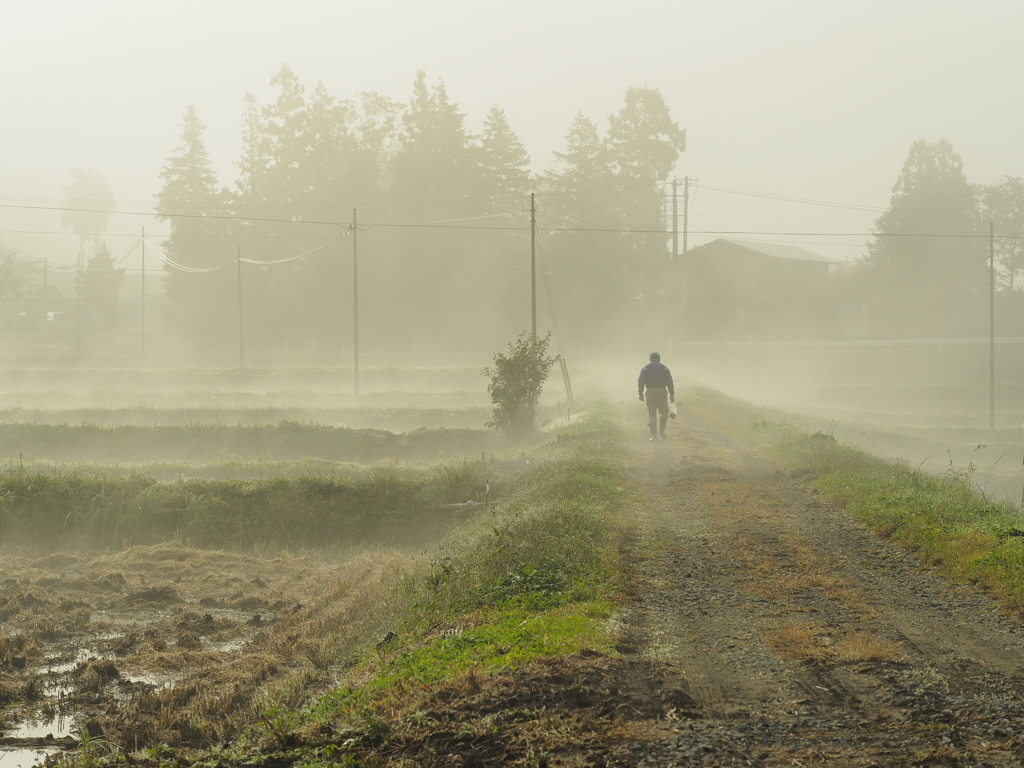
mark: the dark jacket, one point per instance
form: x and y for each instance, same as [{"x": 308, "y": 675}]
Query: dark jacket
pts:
[{"x": 654, "y": 374}]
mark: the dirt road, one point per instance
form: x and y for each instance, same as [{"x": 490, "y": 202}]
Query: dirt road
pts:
[{"x": 797, "y": 637}]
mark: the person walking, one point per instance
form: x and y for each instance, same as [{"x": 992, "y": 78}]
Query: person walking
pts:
[{"x": 657, "y": 380}]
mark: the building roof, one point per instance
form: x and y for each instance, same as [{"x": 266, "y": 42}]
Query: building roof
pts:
[{"x": 773, "y": 250}]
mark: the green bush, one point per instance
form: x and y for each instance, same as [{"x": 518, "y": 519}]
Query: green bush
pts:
[{"x": 516, "y": 383}]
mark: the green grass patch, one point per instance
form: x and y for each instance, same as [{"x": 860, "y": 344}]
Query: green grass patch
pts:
[
  {"x": 944, "y": 518},
  {"x": 536, "y": 578},
  {"x": 500, "y": 639}
]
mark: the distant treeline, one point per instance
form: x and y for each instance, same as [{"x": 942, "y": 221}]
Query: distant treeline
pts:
[{"x": 443, "y": 222}]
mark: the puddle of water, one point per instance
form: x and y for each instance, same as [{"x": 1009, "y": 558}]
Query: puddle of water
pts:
[
  {"x": 225, "y": 646},
  {"x": 127, "y": 618},
  {"x": 157, "y": 680},
  {"x": 59, "y": 727},
  {"x": 83, "y": 654},
  {"x": 23, "y": 758}
]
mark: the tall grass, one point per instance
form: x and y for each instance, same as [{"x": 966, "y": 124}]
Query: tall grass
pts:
[{"x": 386, "y": 505}]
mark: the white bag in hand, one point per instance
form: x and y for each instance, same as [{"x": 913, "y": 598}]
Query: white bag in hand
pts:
[{"x": 672, "y": 410}]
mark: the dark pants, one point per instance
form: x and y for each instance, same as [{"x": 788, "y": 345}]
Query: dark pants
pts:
[{"x": 657, "y": 402}]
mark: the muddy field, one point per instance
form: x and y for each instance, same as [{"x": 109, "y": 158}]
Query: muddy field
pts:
[
  {"x": 185, "y": 646},
  {"x": 168, "y": 643}
]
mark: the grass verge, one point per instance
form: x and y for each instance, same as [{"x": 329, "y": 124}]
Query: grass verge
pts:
[{"x": 943, "y": 518}]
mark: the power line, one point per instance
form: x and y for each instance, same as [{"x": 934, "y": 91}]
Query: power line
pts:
[
  {"x": 440, "y": 224},
  {"x": 784, "y": 198},
  {"x": 204, "y": 216}
]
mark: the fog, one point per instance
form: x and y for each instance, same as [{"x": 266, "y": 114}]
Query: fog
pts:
[{"x": 207, "y": 187}]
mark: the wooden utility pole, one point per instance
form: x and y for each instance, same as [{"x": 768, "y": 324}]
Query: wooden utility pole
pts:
[
  {"x": 677, "y": 257},
  {"x": 533, "y": 263},
  {"x": 676, "y": 314},
  {"x": 241, "y": 326},
  {"x": 78, "y": 305},
  {"x": 355, "y": 303},
  {"x": 143, "y": 334},
  {"x": 991, "y": 327},
  {"x": 686, "y": 211}
]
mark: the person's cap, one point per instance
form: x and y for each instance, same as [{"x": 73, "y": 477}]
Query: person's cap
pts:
[{"x": 655, "y": 356}]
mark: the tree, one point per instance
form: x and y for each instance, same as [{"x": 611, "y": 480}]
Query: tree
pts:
[
  {"x": 429, "y": 179},
  {"x": 612, "y": 266},
  {"x": 517, "y": 380},
  {"x": 644, "y": 143},
  {"x": 197, "y": 251},
  {"x": 503, "y": 165},
  {"x": 1003, "y": 205},
  {"x": 577, "y": 204},
  {"x": 644, "y": 140},
  {"x": 578, "y": 185},
  {"x": 433, "y": 163},
  {"x": 101, "y": 282},
  {"x": 285, "y": 132},
  {"x": 17, "y": 274},
  {"x": 925, "y": 273},
  {"x": 88, "y": 207}
]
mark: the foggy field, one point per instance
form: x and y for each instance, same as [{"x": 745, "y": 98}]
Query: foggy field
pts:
[
  {"x": 196, "y": 563},
  {"x": 926, "y": 403},
  {"x": 331, "y": 468}
]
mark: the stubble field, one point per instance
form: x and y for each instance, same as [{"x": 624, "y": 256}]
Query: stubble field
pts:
[{"x": 177, "y": 559}]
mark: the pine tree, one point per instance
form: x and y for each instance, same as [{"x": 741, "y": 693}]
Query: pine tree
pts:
[
  {"x": 433, "y": 163},
  {"x": 196, "y": 242},
  {"x": 503, "y": 166},
  {"x": 644, "y": 144},
  {"x": 577, "y": 190}
]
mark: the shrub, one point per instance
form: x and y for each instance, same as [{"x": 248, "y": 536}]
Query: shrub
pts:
[{"x": 516, "y": 383}]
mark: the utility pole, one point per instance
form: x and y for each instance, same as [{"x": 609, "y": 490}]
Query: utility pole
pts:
[
  {"x": 241, "y": 326},
  {"x": 675, "y": 260},
  {"x": 991, "y": 327},
  {"x": 78, "y": 306},
  {"x": 143, "y": 334},
  {"x": 355, "y": 304},
  {"x": 533, "y": 262},
  {"x": 677, "y": 257},
  {"x": 686, "y": 211}
]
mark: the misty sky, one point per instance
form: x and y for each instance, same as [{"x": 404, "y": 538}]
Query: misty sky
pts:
[{"x": 808, "y": 99}]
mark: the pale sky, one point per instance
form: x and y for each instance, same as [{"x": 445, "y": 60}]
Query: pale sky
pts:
[{"x": 808, "y": 99}]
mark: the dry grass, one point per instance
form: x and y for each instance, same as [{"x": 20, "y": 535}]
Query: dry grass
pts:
[
  {"x": 865, "y": 647},
  {"x": 800, "y": 642},
  {"x": 287, "y": 620},
  {"x": 819, "y": 643}
]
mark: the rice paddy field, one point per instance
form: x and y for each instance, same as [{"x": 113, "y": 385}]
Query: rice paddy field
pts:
[{"x": 176, "y": 546}]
